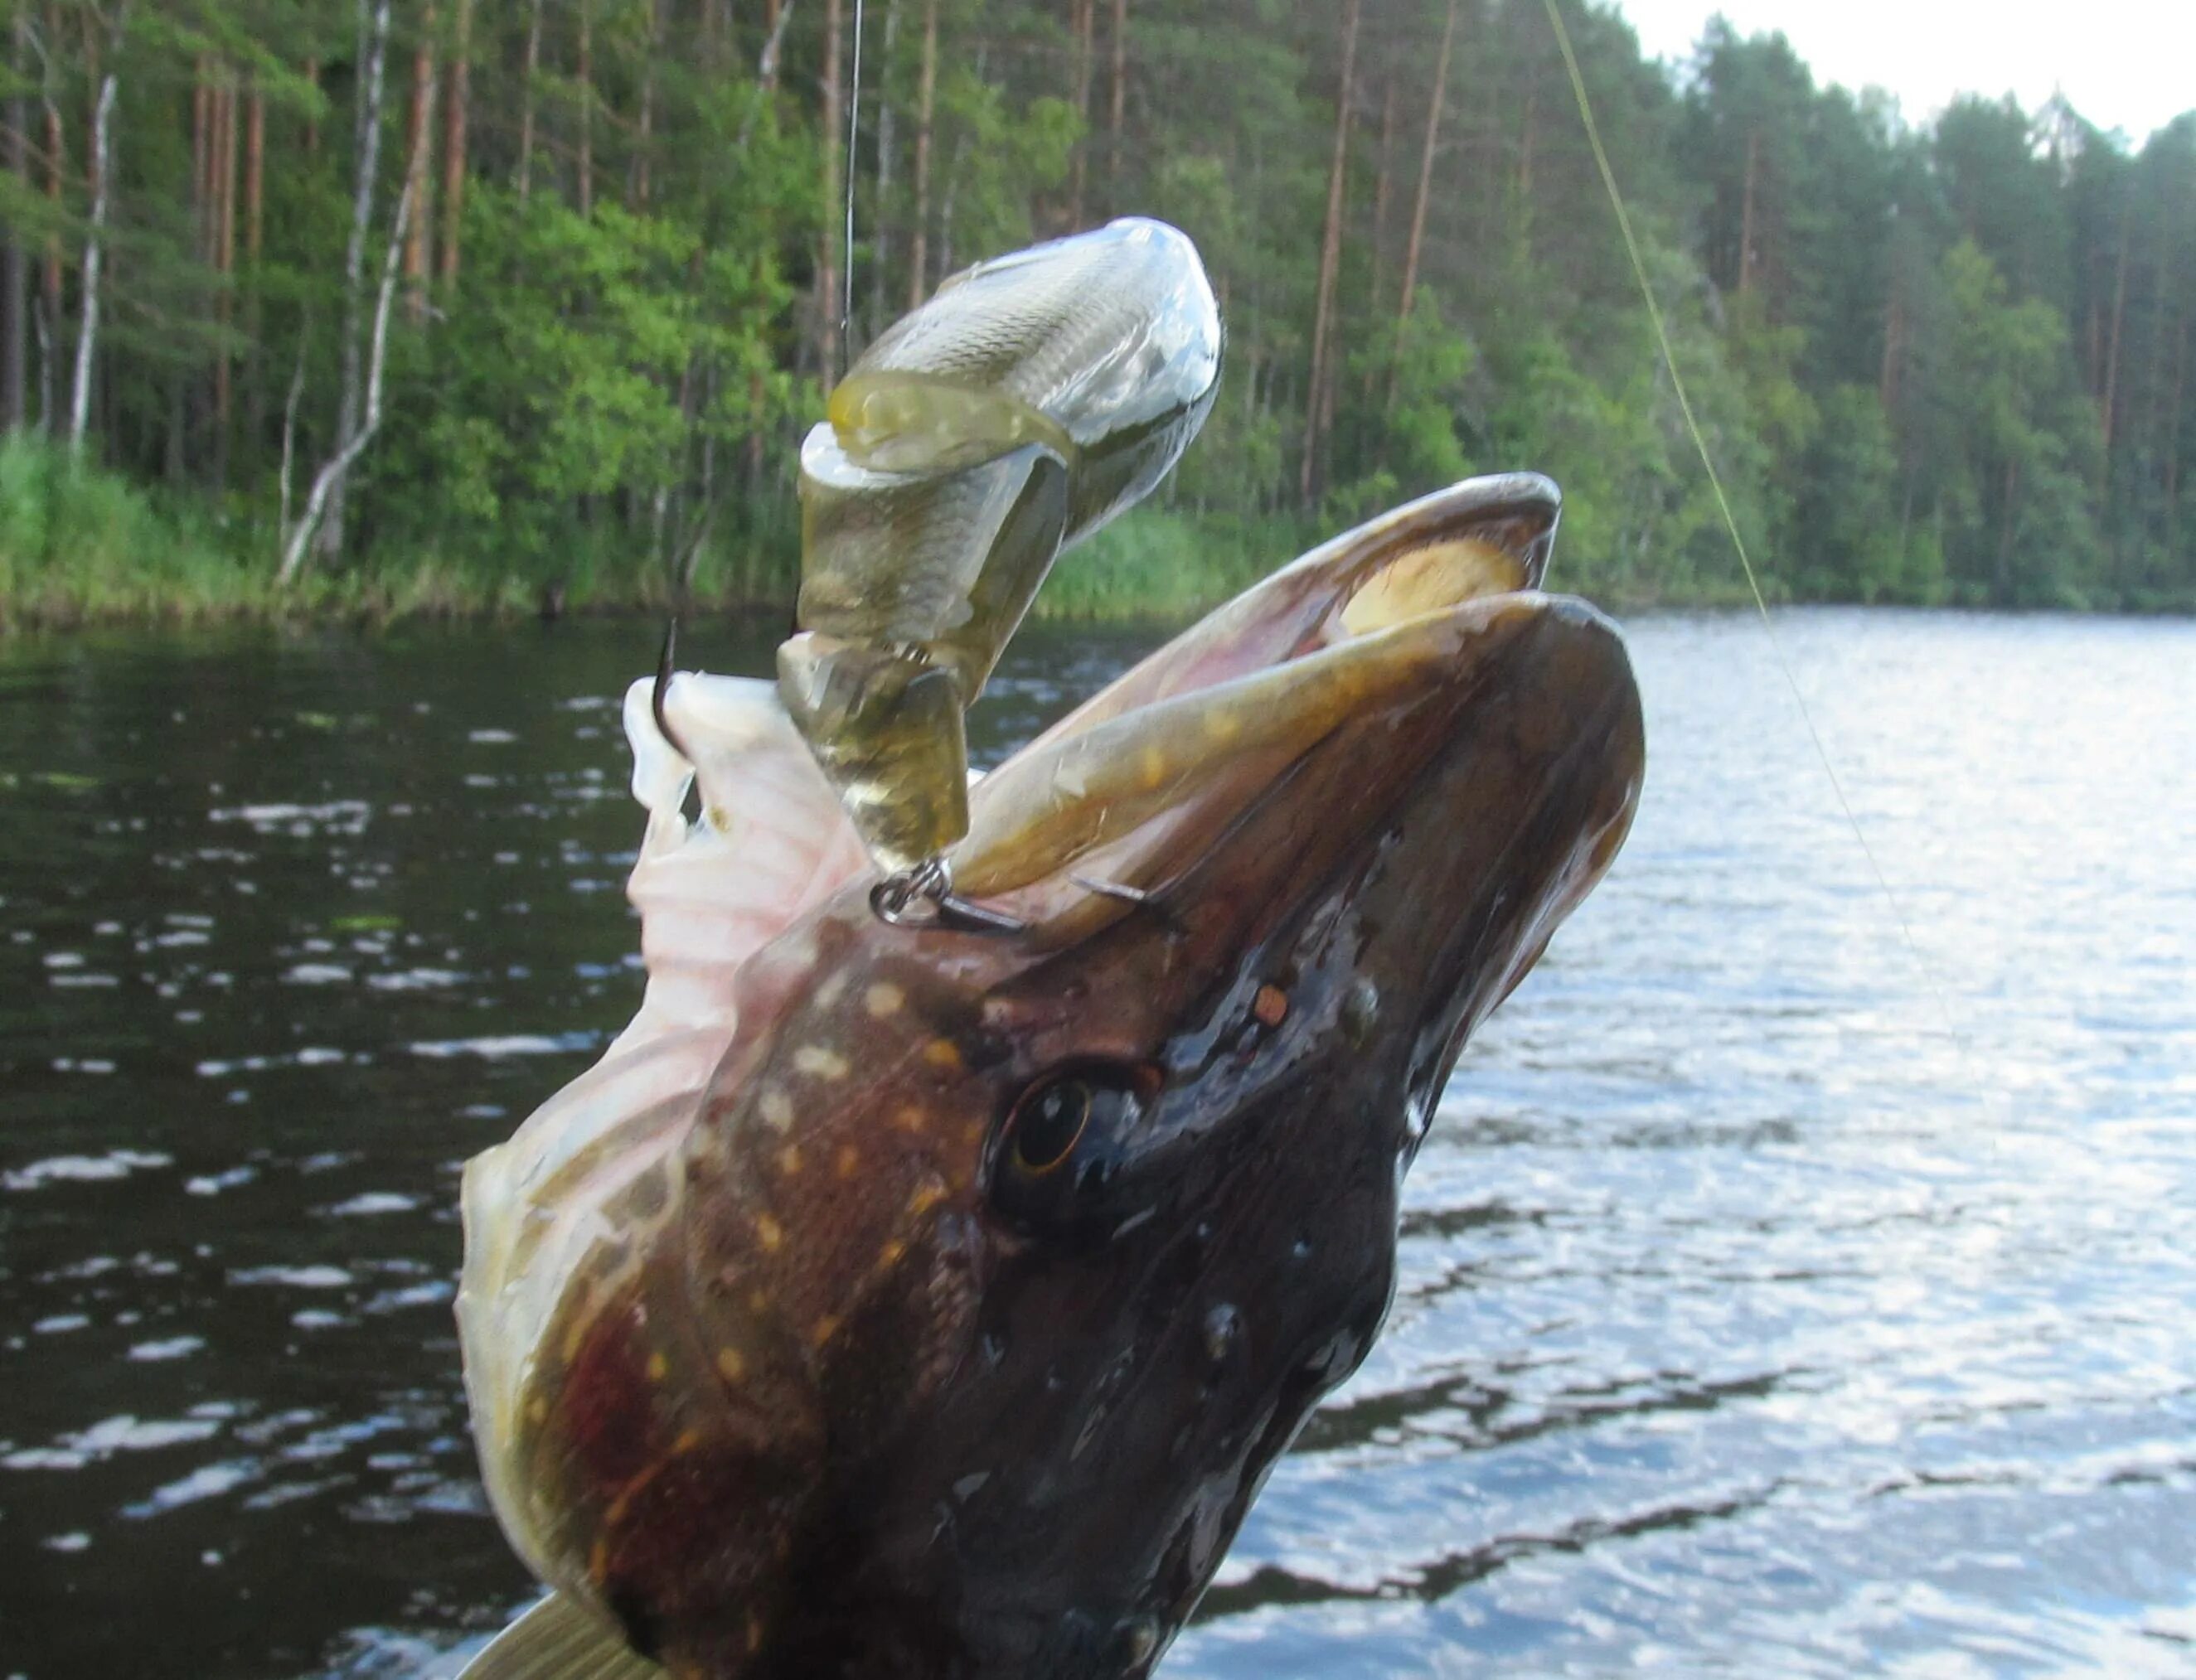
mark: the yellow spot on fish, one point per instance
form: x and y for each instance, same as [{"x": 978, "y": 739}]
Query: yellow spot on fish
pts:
[
  {"x": 537, "y": 1410},
  {"x": 687, "y": 1441},
  {"x": 928, "y": 1195},
  {"x": 775, "y": 1107},
  {"x": 598, "y": 1561},
  {"x": 849, "y": 1162},
  {"x": 826, "y": 1328},
  {"x": 758, "y": 1301},
  {"x": 909, "y": 1118},
  {"x": 658, "y": 1367},
  {"x": 1154, "y": 764},
  {"x": 891, "y": 1254},
  {"x": 883, "y": 999},
  {"x": 828, "y": 993},
  {"x": 730, "y": 1366},
  {"x": 943, "y": 1054},
  {"x": 1223, "y": 725},
  {"x": 755, "y": 1635},
  {"x": 769, "y": 1232},
  {"x": 789, "y": 1160},
  {"x": 819, "y": 1063}
]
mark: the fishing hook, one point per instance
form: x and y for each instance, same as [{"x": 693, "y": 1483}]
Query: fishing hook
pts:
[
  {"x": 656, "y": 699},
  {"x": 657, "y": 695}
]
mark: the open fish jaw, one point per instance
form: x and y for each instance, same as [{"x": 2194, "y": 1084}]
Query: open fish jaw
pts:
[{"x": 762, "y": 1322}]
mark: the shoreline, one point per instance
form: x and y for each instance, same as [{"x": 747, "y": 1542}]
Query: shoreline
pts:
[{"x": 367, "y": 615}]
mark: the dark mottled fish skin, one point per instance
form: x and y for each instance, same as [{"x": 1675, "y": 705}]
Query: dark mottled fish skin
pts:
[{"x": 898, "y": 1393}]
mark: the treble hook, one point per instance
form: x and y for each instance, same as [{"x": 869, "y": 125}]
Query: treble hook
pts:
[
  {"x": 893, "y": 899},
  {"x": 663, "y": 661}
]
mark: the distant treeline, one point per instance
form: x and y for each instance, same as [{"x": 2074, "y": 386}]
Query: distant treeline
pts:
[{"x": 414, "y": 303}]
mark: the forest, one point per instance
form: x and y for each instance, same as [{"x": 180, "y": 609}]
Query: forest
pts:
[{"x": 381, "y": 307}]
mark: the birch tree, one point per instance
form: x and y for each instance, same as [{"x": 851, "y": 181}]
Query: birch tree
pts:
[
  {"x": 102, "y": 180},
  {"x": 373, "y": 50}
]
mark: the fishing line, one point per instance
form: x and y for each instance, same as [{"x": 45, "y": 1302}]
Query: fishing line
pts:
[
  {"x": 853, "y": 134},
  {"x": 1731, "y": 522}
]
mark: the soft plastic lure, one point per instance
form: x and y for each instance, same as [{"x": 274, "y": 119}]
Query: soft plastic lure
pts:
[{"x": 1034, "y": 397}]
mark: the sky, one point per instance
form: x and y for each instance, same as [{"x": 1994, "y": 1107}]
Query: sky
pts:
[{"x": 2124, "y": 64}]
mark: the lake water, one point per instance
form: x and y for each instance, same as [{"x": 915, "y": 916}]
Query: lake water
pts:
[{"x": 1778, "y": 1295}]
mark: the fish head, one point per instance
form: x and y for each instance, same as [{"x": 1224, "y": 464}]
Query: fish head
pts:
[
  {"x": 959, "y": 1324},
  {"x": 1016, "y": 1260}
]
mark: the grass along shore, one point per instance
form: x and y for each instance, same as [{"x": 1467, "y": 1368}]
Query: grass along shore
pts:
[{"x": 80, "y": 546}]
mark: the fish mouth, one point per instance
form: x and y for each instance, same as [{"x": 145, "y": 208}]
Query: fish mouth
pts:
[{"x": 1402, "y": 713}]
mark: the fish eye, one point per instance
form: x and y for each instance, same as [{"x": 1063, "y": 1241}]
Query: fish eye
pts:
[
  {"x": 1048, "y": 1121},
  {"x": 1058, "y": 1156}
]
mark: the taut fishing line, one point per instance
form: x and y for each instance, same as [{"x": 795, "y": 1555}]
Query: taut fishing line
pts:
[{"x": 1731, "y": 522}]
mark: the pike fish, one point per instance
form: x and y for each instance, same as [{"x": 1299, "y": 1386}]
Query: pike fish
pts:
[
  {"x": 1034, "y": 397},
  {"x": 913, "y": 1305}
]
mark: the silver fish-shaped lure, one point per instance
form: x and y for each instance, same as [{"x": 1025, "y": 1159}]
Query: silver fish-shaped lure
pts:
[{"x": 1034, "y": 397}]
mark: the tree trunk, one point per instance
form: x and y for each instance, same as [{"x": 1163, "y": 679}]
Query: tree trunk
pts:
[
  {"x": 226, "y": 162},
  {"x": 1083, "y": 26},
  {"x": 636, "y": 180},
  {"x": 224, "y": 264},
  {"x": 1746, "y": 213},
  {"x": 587, "y": 77},
  {"x": 202, "y": 132},
  {"x": 886, "y": 136},
  {"x": 1416, "y": 244},
  {"x": 372, "y": 51},
  {"x": 456, "y": 111},
  {"x": 255, "y": 240},
  {"x": 14, "y": 262},
  {"x": 2112, "y": 353},
  {"x": 1382, "y": 190},
  {"x": 526, "y": 101},
  {"x": 56, "y": 166},
  {"x": 1330, "y": 263},
  {"x": 774, "y": 15},
  {"x": 1121, "y": 93},
  {"x": 101, "y": 173},
  {"x": 926, "y": 99},
  {"x": 418, "y": 228},
  {"x": 328, "y": 482},
  {"x": 827, "y": 267},
  {"x": 255, "y": 173},
  {"x": 312, "y": 123},
  {"x": 2155, "y": 379}
]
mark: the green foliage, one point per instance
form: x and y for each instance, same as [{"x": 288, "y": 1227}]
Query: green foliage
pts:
[{"x": 1931, "y": 364}]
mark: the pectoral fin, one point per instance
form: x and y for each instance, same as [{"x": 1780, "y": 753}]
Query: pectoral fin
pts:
[{"x": 557, "y": 1640}]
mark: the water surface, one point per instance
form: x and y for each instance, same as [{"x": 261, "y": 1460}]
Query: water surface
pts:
[{"x": 1777, "y": 1295}]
